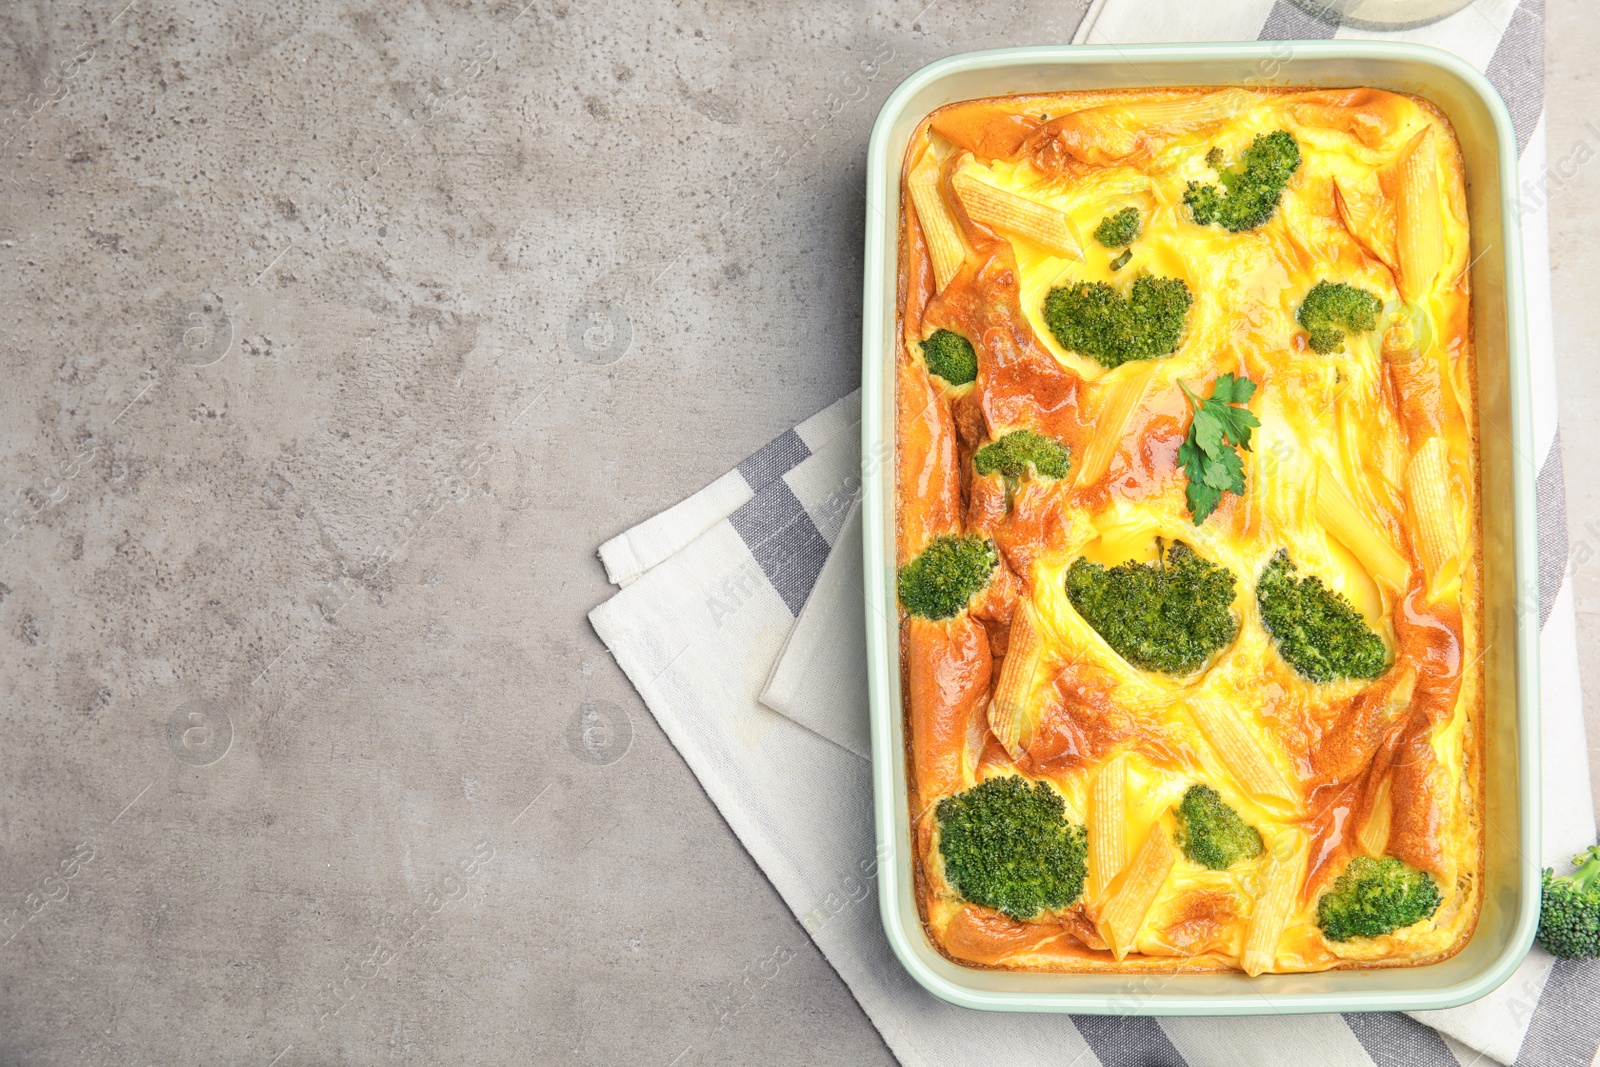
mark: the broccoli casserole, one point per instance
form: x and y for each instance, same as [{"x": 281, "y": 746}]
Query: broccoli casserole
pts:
[{"x": 1187, "y": 531}]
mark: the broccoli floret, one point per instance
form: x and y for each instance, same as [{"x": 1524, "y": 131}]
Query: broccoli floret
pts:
[
  {"x": 1021, "y": 453},
  {"x": 1009, "y": 846},
  {"x": 1331, "y": 308},
  {"x": 950, "y": 356},
  {"x": 1119, "y": 230},
  {"x": 1320, "y": 633},
  {"x": 1094, "y": 319},
  {"x": 1167, "y": 616},
  {"x": 1211, "y": 833},
  {"x": 938, "y": 583},
  {"x": 1569, "y": 909},
  {"x": 1373, "y": 897},
  {"x": 1250, "y": 194}
]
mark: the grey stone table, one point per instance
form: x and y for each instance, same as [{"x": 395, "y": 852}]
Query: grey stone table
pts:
[{"x": 335, "y": 337}]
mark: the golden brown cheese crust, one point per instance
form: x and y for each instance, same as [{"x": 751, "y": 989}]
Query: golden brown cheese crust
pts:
[{"x": 1387, "y": 767}]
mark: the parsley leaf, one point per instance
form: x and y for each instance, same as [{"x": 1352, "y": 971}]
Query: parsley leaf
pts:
[{"x": 1209, "y": 454}]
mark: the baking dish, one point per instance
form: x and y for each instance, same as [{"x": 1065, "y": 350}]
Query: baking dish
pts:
[{"x": 1510, "y": 910}]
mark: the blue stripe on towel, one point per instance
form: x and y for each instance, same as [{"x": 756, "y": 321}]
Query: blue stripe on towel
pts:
[
  {"x": 1288, "y": 22},
  {"x": 1517, "y": 69},
  {"x": 1128, "y": 1041},
  {"x": 1565, "y": 1028},
  {"x": 1395, "y": 1040},
  {"x": 773, "y": 460},
  {"x": 784, "y": 540}
]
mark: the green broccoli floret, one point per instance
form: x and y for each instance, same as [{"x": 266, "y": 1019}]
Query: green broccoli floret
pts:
[
  {"x": 1569, "y": 909},
  {"x": 938, "y": 583},
  {"x": 1211, "y": 833},
  {"x": 1009, "y": 846},
  {"x": 1167, "y": 616},
  {"x": 1331, "y": 308},
  {"x": 1094, "y": 319},
  {"x": 1021, "y": 453},
  {"x": 1320, "y": 633},
  {"x": 1119, "y": 230},
  {"x": 1374, "y": 897},
  {"x": 1250, "y": 194},
  {"x": 950, "y": 356}
]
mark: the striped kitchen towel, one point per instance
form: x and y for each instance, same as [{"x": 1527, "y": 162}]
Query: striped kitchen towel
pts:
[{"x": 740, "y": 623}]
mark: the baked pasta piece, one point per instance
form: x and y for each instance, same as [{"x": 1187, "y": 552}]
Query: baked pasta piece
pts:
[{"x": 1187, "y": 525}]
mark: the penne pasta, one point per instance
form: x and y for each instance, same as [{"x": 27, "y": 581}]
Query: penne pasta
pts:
[
  {"x": 1357, "y": 532},
  {"x": 1185, "y": 113},
  {"x": 1419, "y": 218},
  {"x": 939, "y": 712},
  {"x": 1374, "y": 835},
  {"x": 1434, "y": 514},
  {"x": 1415, "y": 377},
  {"x": 1009, "y": 713},
  {"x": 1241, "y": 752},
  {"x": 946, "y": 248},
  {"x": 1096, "y": 136},
  {"x": 1122, "y": 399},
  {"x": 1369, "y": 219},
  {"x": 1285, "y": 870},
  {"x": 1108, "y": 832},
  {"x": 1014, "y": 215},
  {"x": 1350, "y": 741},
  {"x": 1124, "y": 913}
]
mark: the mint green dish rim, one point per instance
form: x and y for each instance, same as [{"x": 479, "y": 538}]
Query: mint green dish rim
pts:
[{"x": 1509, "y": 915}]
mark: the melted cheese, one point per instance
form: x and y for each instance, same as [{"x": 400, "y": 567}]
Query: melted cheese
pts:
[{"x": 1341, "y": 417}]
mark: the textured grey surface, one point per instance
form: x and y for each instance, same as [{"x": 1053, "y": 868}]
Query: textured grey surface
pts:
[
  {"x": 334, "y": 339},
  {"x": 1572, "y": 88}
]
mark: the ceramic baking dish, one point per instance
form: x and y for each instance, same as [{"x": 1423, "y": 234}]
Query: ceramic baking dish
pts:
[{"x": 1511, "y": 893}]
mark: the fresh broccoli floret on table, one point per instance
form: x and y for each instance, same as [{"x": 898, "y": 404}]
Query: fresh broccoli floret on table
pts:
[{"x": 1569, "y": 909}]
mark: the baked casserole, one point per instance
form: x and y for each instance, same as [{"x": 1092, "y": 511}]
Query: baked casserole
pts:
[{"x": 1187, "y": 531}]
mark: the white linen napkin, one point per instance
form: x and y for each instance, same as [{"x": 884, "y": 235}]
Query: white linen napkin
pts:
[{"x": 740, "y": 622}]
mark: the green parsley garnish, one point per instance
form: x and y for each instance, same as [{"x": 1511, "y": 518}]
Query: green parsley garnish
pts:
[{"x": 1209, "y": 454}]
